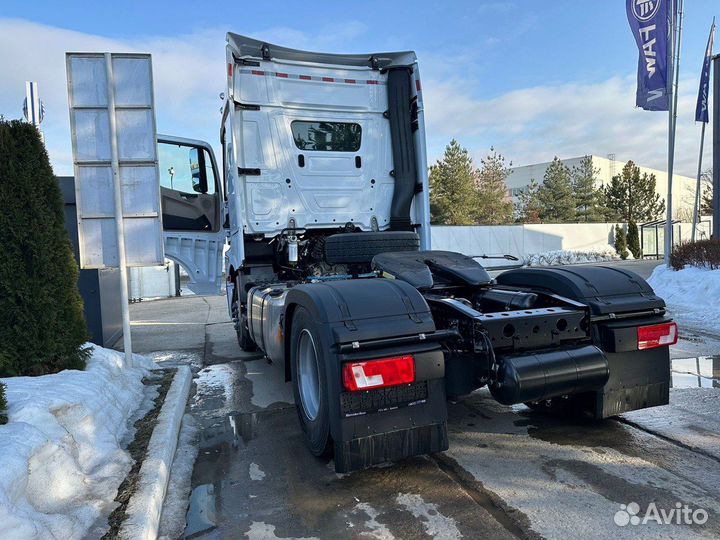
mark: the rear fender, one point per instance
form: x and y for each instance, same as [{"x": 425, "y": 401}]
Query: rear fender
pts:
[
  {"x": 386, "y": 424},
  {"x": 620, "y": 301}
]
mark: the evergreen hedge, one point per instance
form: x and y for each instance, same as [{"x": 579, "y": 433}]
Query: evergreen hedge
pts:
[
  {"x": 42, "y": 328},
  {"x": 633, "y": 240},
  {"x": 3, "y": 405},
  {"x": 621, "y": 242}
]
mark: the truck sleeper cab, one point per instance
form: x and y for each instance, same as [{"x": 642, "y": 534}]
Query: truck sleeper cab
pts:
[{"x": 330, "y": 272}]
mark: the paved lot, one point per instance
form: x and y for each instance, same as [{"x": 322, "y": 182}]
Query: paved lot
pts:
[{"x": 509, "y": 473}]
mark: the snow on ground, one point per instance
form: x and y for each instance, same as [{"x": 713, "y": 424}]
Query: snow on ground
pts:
[
  {"x": 563, "y": 256},
  {"x": 691, "y": 295},
  {"x": 62, "y": 455}
]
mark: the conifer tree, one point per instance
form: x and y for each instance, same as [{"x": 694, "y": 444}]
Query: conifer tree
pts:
[
  {"x": 587, "y": 196},
  {"x": 3, "y": 404},
  {"x": 633, "y": 240},
  {"x": 527, "y": 208},
  {"x": 42, "y": 328},
  {"x": 494, "y": 204},
  {"x": 453, "y": 193},
  {"x": 555, "y": 196},
  {"x": 706, "y": 199},
  {"x": 621, "y": 242},
  {"x": 633, "y": 197}
]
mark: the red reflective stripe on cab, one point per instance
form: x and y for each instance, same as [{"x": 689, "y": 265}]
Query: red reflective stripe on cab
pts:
[
  {"x": 417, "y": 85},
  {"x": 372, "y": 82},
  {"x": 257, "y": 72},
  {"x": 305, "y": 77},
  {"x": 328, "y": 79},
  {"x": 350, "y": 81},
  {"x": 230, "y": 70},
  {"x": 282, "y": 75}
]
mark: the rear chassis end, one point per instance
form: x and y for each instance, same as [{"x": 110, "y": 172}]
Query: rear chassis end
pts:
[{"x": 526, "y": 342}]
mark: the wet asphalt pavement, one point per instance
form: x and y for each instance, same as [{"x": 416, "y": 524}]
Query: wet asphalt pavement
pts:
[{"x": 509, "y": 473}]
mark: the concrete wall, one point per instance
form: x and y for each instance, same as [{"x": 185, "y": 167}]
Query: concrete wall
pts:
[
  {"x": 524, "y": 240},
  {"x": 521, "y": 240}
]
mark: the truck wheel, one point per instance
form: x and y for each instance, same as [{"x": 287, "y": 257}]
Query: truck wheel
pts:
[
  {"x": 243, "y": 335},
  {"x": 241, "y": 324},
  {"x": 307, "y": 360}
]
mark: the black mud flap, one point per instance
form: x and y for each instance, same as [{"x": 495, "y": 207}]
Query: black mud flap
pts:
[
  {"x": 620, "y": 301},
  {"x": 387, "y": 424},
  {"x": 390, "y": 446}
]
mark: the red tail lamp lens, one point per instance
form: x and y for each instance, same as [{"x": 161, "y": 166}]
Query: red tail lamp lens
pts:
[
  {"x": 657, "y": 335},
  {"x": 379, "y": 373}
]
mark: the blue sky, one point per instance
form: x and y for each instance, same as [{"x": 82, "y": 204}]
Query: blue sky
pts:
[{"x": 534, "y": 79}]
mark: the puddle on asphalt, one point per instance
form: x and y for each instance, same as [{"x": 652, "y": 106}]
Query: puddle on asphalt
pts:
[
  {"x": 201, "y": 514},
  {"x": 228, "y": 430},
  {"x": 698, "y": 372}
]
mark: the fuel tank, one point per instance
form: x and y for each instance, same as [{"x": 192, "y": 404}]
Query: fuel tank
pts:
[
  {"x": 266, "y": 305},
  {"x": 542, "y": 375}
]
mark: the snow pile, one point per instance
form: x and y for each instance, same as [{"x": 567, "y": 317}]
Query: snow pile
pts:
[
  {"x": 691, "y": 295},
  {"x": 62, "y": 460},
  {"x": 563, "y": 256}
]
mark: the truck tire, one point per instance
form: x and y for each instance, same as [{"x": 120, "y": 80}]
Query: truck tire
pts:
[
  {"x": 243, "y": 335},
  {"x": 309, "y": 377},
  {"x": 241, "y": 325},
  {"x": 349, "y": 248}
]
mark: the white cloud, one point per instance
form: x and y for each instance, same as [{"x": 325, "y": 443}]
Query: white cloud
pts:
[
  {"x": 534, "y": 124},
  {"x": 527, "y": 125},
  {"x": 188, "y": 72}
]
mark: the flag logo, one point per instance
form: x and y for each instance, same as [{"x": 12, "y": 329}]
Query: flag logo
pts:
[{"x": 644, "y": 10}]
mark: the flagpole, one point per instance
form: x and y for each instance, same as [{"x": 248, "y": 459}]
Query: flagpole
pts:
[
  {"x": 674, "y": 70},
  {"x": 696, "y": 210},
  {"x": 701, "y": 114}
]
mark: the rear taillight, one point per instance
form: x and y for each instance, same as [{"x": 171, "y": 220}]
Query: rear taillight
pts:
[
  {"x": 657, "y": 335},
  {"x": 379, "y": 373}
]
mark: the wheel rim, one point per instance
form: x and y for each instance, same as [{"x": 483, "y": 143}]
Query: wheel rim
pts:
[{"x": 309, "y": 378}]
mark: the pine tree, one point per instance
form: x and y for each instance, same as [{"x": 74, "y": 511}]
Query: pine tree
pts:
[
  {"x": 527, "y": 208},
  {"x": 555, "y": 196},
  {"x": 494, "y": 205},
  {"x": 584, "y": 179},
  {"x": 621, "y": 242},
  {"x": 706, "y": 199},
  {"x": 632, "y": 197},
  {"x": 3, "y": 405},
  {"x": 42, "y": 327},
  {"x": 633, "y": 240},
  {"x": 453, "y": 193}
]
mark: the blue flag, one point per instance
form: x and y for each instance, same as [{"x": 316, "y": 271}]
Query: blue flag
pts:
[
  {"x": 701, "y": 109},
  {"x": 650, "y": 24}
]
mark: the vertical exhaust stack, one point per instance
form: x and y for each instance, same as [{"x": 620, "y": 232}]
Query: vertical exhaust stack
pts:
[{"x": 403, "y": 147}]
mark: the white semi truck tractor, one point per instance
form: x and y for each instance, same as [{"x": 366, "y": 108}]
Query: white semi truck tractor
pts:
[{"x": 321, "y": 194}]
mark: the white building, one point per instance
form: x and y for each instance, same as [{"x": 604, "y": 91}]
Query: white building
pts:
[{"x": 683, "y": 186}]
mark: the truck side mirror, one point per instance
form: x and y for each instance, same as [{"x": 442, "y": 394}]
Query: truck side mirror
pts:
[{"x": 197, "y": 170}]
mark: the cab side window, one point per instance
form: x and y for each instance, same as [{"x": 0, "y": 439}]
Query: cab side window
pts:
[
  {"x": 186, "y": 169},
  {"x": 188, "y": 189}
]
